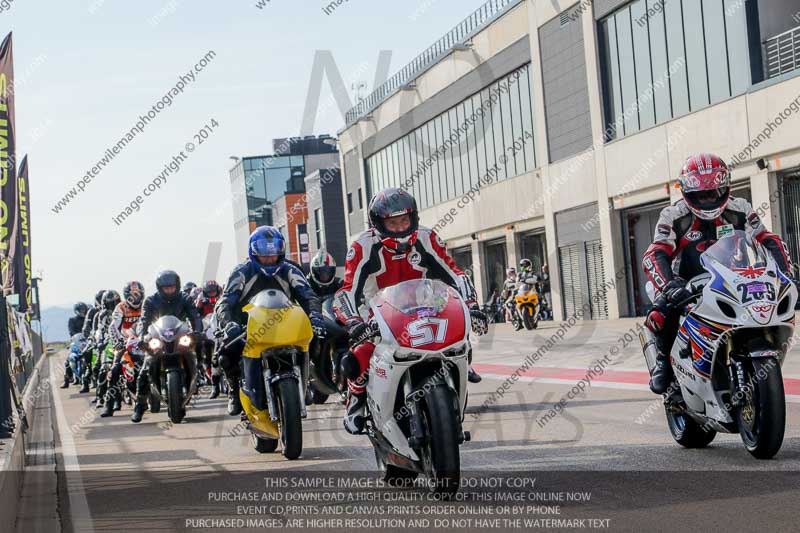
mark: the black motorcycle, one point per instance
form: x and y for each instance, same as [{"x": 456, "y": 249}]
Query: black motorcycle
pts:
[
  {"x": 326, "y": 358},
  {"x": 172, "y": 344}
]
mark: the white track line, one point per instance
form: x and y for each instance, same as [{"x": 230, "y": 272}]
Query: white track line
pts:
[
  {"x": 790, "y": 398},
  {"x": 80, "y": 515}
]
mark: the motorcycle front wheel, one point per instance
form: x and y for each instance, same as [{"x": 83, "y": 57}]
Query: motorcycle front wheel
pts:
[
  {"x": 687, "y": 432},
  {"x": 762, "y": 418},
  {"x": 264, "y": 445},
  {"x": 441, "y": 455},
  {"x": 175, "y": 396},
  {"x": 289, "y": 417},
  {"x": 527, "y": 318}
]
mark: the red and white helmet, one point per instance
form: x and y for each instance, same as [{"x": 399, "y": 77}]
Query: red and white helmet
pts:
[{"x": 706, "y": 185}]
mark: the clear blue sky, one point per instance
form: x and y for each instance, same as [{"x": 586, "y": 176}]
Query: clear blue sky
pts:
[{"x": 87, "y": 69}]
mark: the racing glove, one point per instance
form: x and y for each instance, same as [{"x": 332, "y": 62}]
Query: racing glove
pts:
[
  {"x": 358, "y": 332},
  {"x": 480, "y": 323},
  {"x": 232, "y": 330},
  {"x": 318, "y": 324},
  {"x": 676, "y": 291}
]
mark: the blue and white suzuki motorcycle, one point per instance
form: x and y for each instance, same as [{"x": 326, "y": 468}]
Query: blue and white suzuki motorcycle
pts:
[{"x": 735, "y": 332}]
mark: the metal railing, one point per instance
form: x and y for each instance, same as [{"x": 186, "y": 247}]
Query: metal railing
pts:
[
  {"x": 458, "y": 35},
  {"x": 783, "y": 53}
]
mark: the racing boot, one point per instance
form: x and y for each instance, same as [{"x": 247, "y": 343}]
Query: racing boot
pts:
[
  {"x": 473, "y": 377},
  {"x": 138, "y": 412},
  {"x": 234, "y": 404},
  {"x": 662, "y": 374},
  {"x": 85, "y": 387},
  {"x": 67, "y": 378},
  {"x": 108, "y": 408},
  {"x": 355, "y": 416},
  {"x": 214, "y": 387}
]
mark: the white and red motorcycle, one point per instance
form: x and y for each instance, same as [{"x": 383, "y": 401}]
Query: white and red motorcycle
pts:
[
  {"x": 734, "y": 334},
  {"x": 417, "y": 389}
]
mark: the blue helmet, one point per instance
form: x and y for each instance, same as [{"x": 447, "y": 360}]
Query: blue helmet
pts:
[{"x": 267, "y": 240}]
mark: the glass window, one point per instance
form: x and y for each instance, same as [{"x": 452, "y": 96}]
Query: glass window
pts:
[
  {"x": 448, "y": 157},
  {"x": 412, "y": 159},
  {"x": 488, "y": 136},
  {"x": 349, "y": 202},
  {"x": 613, "y": 85},
  {"x": 424, "y": 176},
  {"x": 738, "y": 52},
  {"x": 660, "y": 63},
  {"x": 497, "y": 130},
  {"x": 695, "y": 54},
  {"x": 296, "y": 161},
  {"x": 442, "y": 163},
  {"x": 627, "y": 71},
  {"x": 370, "y": 173},
  {"x": 676, "y": 53},
  {"x": 508, "y": 132},
  {"x": 436, "y": 142},
  {"x": 641, "y": 54},
  {"x": 719, "y": 83},
  {"x": 456, "y": 155},
  {"x": 466, "y": 171},
  {"x": 406, "y": 163},
  {"x": 478, "y": 133},
  {"x": 393, "y": 171},
  {"x": 401, "y": 164},
  {"x": 276, "y": 179},
  {"x": 527, "y": 120},
  {"x": 516, "y": 123},
  {"x": 360, "y": 198}
]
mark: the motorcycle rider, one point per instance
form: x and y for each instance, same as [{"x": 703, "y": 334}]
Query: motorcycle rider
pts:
[
  {"x": 188, "y": 287},
  {"x": 109, "y": 302},
  {"x": 89, "y": 329},
  {"x": 75, "y": 326},
  {"x": 205, "y": 303},
  {"x": 168, "y": 300},
  {"x": 394, "y": 249},
  {"x": 507, "y": 297},
  {"x": 544, "y": 290},
  {"x": 125, "y": 317},
  {"x": 706, "y": 213},
  {"x": 266, "y": 268},
  {"x": 322, "y": 277}
]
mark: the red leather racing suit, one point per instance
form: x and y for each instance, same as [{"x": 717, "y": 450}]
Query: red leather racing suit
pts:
[{"x": 371, "y": 266}]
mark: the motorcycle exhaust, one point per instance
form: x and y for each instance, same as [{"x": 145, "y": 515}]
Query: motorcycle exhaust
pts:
[{"x": 649, "y": 348}]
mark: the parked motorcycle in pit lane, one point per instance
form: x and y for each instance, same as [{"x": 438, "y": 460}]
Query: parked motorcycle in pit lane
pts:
[
  {"x": 417, "y": 388},
  {"x": 326, "y": 359},
  {"x": 278, "y": 336},
  {"x": 732, "y": 341},
  {"x": 170, "y": 341},
  {"x": 527, "y": 303}
]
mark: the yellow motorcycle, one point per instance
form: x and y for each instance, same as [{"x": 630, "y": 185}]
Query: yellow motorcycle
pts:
[
  {"x": 275, "y": 371},
  {"x": 527, "y": 300}
]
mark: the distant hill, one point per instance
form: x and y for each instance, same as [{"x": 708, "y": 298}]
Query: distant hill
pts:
[{"x": 54, "y": 323}]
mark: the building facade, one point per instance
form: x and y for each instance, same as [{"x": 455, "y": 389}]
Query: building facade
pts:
[
  {"x": 555, "y": 130},
  {"x": 258, "y": 181},
  {"x": 326, "y": 214}
]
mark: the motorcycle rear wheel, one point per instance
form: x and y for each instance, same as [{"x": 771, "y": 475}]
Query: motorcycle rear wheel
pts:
[
  {"x": 762, "y": 420},
  {"x": 175, "y": 397},
  {"x": 441, "y": 450},
  {"x": 290, "y": 424}
]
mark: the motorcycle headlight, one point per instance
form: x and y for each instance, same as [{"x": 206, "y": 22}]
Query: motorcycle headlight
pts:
[
  {"x": 154, "y": 344},
  {"x": 185, "y": 341}
]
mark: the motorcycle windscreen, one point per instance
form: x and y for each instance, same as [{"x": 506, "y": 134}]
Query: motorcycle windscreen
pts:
[
  {"x": 739, "y": 253},
  {"x": 271, "y": 328},
  {"x": 423, "y": 313},
  {"x": 168, "y": 328}
]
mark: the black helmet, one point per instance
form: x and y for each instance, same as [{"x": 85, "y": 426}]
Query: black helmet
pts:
[
  {"x": 167, "y": 278},
  {"x": 110, "y": 299},
  {"x": 134, "y": 294},
  {"x": 189, "y": 287},
  {"x": 393, "y": 202},
  {"x": 80, "y": 309},
  {"x": 98, "y": 298},
  {"x": 323, "y": 268},
  {"x": 211, "y": 286}
]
